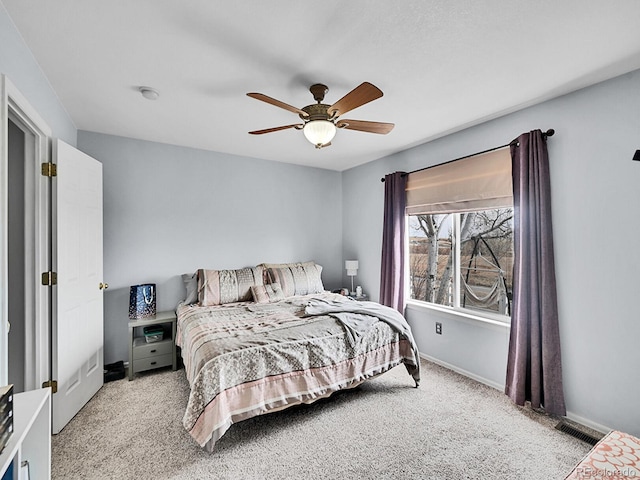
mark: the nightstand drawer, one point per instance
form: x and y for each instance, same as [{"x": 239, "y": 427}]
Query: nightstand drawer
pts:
[
  {"x": 142, "y": 349},
  {"x": 152, "y": 362}
]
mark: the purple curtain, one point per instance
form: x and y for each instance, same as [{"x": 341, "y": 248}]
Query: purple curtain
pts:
[
  {"x": 392, "y": 271},
  {"x": 534, "y": 369}
]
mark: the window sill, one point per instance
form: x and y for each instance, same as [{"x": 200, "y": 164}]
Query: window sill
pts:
[{"x": 460, "y": 314}]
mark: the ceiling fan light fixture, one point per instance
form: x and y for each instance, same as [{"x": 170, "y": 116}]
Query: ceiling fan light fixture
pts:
[{"x": 319, "y": 132}]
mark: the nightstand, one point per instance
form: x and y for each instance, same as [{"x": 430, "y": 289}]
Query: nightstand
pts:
[{"x": 148, "y": 356}]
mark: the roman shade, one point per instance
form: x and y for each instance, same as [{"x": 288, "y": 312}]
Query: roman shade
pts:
[{"x": 479, "y": 182}]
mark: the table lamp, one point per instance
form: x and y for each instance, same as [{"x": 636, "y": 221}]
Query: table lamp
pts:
[{"x": 352, "y": 271}]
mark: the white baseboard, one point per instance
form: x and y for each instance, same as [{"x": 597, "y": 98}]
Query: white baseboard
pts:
[
  {"x": 571, "y": 416},
  {"x": 588, "y": 423},
  {"x": 466, "y": 373}
]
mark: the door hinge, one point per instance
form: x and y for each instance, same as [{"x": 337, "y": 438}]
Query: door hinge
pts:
[
  {"x": 51, "y": 383},
  {"x": 49, "y": 169},
  {"x": 49, "y": 279}
]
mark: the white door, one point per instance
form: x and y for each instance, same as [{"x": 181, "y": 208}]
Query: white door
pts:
[{"x": 77, "y": 326}]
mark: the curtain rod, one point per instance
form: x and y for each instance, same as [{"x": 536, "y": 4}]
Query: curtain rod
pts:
[{"x": 548, "y": 133}]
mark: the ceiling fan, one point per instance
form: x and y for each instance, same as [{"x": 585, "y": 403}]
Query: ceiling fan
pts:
[{"x": 320, "y": 121}]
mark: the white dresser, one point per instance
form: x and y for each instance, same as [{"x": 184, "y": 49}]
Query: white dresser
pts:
[{"x": 29, "y": 448}]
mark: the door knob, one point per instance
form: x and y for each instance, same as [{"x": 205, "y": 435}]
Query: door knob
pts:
[{"x": 103, "y": 286}]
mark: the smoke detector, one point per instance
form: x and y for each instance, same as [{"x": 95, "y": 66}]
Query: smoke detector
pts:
[{"x": 149, "y": 93}]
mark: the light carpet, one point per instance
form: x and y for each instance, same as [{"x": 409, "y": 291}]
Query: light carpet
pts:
[{"x": 451, "y": 427}]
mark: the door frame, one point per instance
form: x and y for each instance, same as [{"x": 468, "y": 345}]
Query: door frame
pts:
[{"x": 14, "y": 106}]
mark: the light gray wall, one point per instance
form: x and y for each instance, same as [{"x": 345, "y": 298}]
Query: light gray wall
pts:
[
  {"x": 595, "y": 195},
  {"x": 170, "y": 210},
  {"x": 19, "y": 65}
]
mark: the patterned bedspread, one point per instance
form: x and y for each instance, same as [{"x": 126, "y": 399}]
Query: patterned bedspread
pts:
[{"x": 246, "y": 359}]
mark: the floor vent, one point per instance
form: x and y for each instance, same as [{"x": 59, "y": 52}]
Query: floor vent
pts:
[{"x": 578, "y": 432}]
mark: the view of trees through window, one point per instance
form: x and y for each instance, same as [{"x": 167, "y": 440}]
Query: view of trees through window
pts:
[{"x": 485, "y": 265}]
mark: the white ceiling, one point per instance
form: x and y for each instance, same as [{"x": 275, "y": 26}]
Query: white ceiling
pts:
[{"x": 442, "y": 65}]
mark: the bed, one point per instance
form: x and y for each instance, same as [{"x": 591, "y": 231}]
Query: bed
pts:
[{"x": 264, "y": 338}]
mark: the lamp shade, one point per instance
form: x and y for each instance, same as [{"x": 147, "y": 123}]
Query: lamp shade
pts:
[
  {"x": 352, "y": 267},
  {"x": 319, "y": 132}
]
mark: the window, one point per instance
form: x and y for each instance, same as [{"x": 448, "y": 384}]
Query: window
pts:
[
  {"x": 461, "y": 233},
  {"x": 463, "y": 260}
]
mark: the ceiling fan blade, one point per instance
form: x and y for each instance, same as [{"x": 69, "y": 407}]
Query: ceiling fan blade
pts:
[
  {"x": 364, "y": 126},
  {"x": 277, "y": 103},
  {"x": 277, "y": 129},
  {"x": 362, "y": 94}
]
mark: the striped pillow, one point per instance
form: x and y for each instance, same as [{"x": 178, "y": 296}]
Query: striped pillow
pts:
[
  {"x": 217, "y": 287},
  {"x": 297, "y": 278},
  {"x": 267, "y": 293}
]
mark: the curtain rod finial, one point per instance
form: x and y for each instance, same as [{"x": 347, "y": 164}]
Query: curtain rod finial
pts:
[{"x": 550, "y": 132}]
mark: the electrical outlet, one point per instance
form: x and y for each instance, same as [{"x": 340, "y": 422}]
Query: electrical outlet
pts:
[{"x": 438, "y": 328}]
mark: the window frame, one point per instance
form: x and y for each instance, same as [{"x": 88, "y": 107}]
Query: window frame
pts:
[{"x": 455, "y": 309}]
